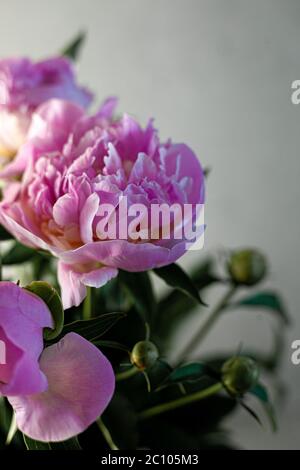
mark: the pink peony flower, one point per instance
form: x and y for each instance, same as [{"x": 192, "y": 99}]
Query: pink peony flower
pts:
[
  {"x": 68, "y": 180},
  {"x": 56, "y": 393},
  {"x": 23, "y": 87}
]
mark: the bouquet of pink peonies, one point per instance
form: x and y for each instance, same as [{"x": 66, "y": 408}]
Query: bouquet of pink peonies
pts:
[{"x": 97, "y": 207}]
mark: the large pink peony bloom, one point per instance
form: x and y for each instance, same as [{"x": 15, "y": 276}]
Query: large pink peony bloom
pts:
[
  {"x": 68, "y": 179},
  {"x": 24, "y": 86},
  {"x": 56, "y": 393}
]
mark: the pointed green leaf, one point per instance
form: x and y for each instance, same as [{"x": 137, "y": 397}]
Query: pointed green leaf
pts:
[
  {"x": 93, "y": 329},
  {"x": 72, "y": 50},
  {"x": 267, "y": 299},
  {"x": 176, "y": 277},
  {"x": 51, "y": 298},
  {"x": 250, "y": 411},
  {"x": 158, "y": 373},
  {"x": 260, "y": 392},
  {"x": 188, "y": 372},
  {"x": 176, "y": 306},
  {"x": 18, "y": 254},
  {"x": 70, "y": 444},
  {"x": 102, "y": 343},
  {"x": 139, "y": 288}
]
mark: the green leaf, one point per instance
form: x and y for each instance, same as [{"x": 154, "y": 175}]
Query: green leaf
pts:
[
  {"x": 250, "y": 411},
  {"x": 70, "y": 444},
  {"x": 4, "y": 234},
  {"x": 72, "y": 50},
  {"x": 176, "y": 306},
  {"x": 267, "y": 299},
  {"x": 158, "y": 373},
  {"x": 93, "y": 329},
  {"x": 51, "y": 298},
  {"x": 102, "y": 343},
  {"x": 260, "y": 392},
  {"x": 140, "y": 291},
  {"x": 18, "y": 254},
  {"x": 175, "y": 277},
  {"x": 189, "y": 372}
]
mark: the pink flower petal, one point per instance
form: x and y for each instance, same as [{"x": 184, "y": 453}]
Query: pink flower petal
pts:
[
  {"x": 181, "y": 161},
  {"x": 73, "y": 283},
  {"x": 65, "y": 210},
  {"x": 72, "y": 290},
  {"x": 23, "y": 316},
  {"x": 108, "y": 107},
  {"x": 99, "y": 277},
  {"x": 125, "y": 255},
  {"x": 87, "y": 216},
  {"x": 81, "y": 384}
]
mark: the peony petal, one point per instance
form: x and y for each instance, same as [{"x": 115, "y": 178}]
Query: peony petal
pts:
[
  {"x": 27, "y": 378},
  {"x": 108, "y": 107},
  {"x": 73, "y": 282},
  {"x": 21, "y": 233},
  {"x": 50, "y": 127},
  {"x": 81, "y": 384},
  {"x": 125, "y": 255},
  {"x": 87, "y": 216},
  {"x": 65, "y": 210},
  {"x": 181, "y": 161},
  {"x": 25, "y": 341},
  {"x": 143, "y": 168},
  {"x": 72, "y": 290},
  {"x": 98, "y": 277}
]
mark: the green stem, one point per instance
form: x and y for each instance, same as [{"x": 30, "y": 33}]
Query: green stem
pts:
[
  {"x": 87, "y": 305},
  {"x": 106, "y": 434},
  {"x": 182, "y": 401},
  {"x": 126, "y": 374},
  {"x": 206, "y": 326}
]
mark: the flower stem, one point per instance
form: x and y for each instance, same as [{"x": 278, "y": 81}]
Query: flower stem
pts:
[
  {"x": 126, "y": 374},
  {"x": 182, "y": 401},
  {"x": 106, "y": 434},
  {"x": 205, "y": 327},
  {"x": 87, "y": 305}
]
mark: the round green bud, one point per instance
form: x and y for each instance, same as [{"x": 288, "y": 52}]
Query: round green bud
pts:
[
  {"x": 144, "y": 355},
  {"x": 239, "y": 374},
  {"x": 247, "y": 267}
]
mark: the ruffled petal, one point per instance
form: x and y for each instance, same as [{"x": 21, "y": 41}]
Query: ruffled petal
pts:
[
  {"x": 108, "y": 107},
  {"x": 87, "y": 216},
  {"x": 180, "y": 161}
]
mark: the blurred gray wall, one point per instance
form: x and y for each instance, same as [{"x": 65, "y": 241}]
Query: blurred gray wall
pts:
[{"x": 217, "y": 75}]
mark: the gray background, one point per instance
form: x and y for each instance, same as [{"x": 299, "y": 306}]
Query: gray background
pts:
[{"x": 216, "y": 74}]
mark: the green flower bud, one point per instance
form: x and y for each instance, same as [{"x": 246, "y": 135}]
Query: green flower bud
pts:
[
  {"x": 144, "y": 355},
  {"x": 239, "y": 375},
  {"x": 247, "y": 267}
]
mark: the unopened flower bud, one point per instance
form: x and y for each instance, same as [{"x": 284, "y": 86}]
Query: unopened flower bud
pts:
[
  {"x": 144, "y": 355},
  {"x": 239, "y": 375},
  {"x": 247, "y": 267}
]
